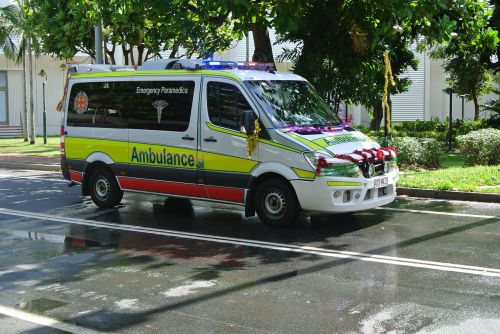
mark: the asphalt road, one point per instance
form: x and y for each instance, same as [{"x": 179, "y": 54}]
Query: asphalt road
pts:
[{"x": 149, "y": 266}]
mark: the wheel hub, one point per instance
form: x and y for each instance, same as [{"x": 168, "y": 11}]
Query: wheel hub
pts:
[
  {"x": 102, "y": 187},
  {"x": 275, "y": 203}
]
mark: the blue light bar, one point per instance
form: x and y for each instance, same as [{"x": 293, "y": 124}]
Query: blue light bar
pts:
[{"x": 219, "y": 65}]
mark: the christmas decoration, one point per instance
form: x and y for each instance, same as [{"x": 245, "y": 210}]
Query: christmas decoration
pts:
[
  {"x": 387, "y": 77},
  {"x": 253, "y": 139}
]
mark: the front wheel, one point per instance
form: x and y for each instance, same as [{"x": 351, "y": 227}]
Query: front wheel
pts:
[
  {"x": 275, "y": 203},
  {"x": 104, "y": 189}
]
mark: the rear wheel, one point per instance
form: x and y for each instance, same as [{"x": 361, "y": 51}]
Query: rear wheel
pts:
[
  {"x": 104, "y": 189},
  {"x": 275, "y": 203}
]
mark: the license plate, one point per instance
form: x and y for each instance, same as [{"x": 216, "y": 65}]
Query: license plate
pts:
[{"x": 381, "y": 182}]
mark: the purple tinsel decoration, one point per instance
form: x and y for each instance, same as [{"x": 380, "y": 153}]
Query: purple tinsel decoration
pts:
[{"x": 311, "y": 130}]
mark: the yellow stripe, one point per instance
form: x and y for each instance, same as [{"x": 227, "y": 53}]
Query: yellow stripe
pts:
[
  {"x": 218, "y": 162},
  {"x": 156, "y": 73},
  {"x": 224, "y": 130},
  {"x": 310, "y": 144},
  {"x": 118, "y": 151},
  {"x": 304, "y": 173},
  {"x": 242, "y": 135},
  {"x": 343, "y": 184},
  {"x": 81, "y": 148}
]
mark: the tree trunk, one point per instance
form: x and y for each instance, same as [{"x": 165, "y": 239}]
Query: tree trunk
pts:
[
  {"x": 140, "y": 54},
  {"x": 110, "y": 54},
  {"x": 132, "y": 59},
  {"x": 25, "y": 108},
  {"x": 175, "y": 48},
  {"x": 125, "y": 54},
  {"x": 378, "y": 114},
  {"x": 31, "y": 108},
  {"x": 263, "y": 49},
  {"x": 476, "y": 107}
]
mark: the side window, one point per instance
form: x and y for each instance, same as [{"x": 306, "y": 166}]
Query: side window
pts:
[
  {"x": 149, "y": 105},
  {"x": 161, "y": 105},
  {"x": 97, "y": 104},
  {"x": 225, "y": 104}
]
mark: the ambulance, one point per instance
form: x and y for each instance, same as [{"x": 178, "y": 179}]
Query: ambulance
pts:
[{"x": 218, "y": 131}]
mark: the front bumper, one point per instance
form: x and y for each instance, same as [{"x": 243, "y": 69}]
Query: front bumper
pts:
[{"x": 344, "y": 194}]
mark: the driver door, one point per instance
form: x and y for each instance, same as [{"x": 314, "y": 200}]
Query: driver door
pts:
[{"x": 225, "y": 167}]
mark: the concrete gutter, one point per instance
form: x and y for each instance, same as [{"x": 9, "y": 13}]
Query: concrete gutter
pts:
[
  {"x": 13, "y": 161},
  {"x": 32, "y": 166},
  {"x": 450, "y": 195}
]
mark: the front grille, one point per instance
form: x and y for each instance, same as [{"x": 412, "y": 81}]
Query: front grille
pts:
[{"x": 379, "y": 168}]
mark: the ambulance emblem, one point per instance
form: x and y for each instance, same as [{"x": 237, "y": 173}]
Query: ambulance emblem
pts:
[
  {"x": 159, "y": 105},
  {"x": 81, "y": 102}
]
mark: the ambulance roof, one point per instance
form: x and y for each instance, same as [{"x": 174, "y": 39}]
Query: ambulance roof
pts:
[{"x": 157, "y": 68}]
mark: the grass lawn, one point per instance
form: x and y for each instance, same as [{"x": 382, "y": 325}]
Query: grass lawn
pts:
[
  {"x": 19, "y": 146},
  {"x": 454, "y": 175}
]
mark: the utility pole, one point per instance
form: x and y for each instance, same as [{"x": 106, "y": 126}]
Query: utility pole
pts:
[
  {"x": 31, "y": 108},
  {"x": 450, "y": 91},
  {"x": 99, "y": 59},
  {"x": 44, "y": 76}
]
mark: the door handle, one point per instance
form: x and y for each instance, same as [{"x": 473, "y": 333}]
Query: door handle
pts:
[
  {"x": 210, "y": 139},
  {"x": 188, "y": 137}
]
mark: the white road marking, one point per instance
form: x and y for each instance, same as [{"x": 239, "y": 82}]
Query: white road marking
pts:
[
  {"x": 44, "y": 321},
  {"x": 455, "y": 214},
  {"x": 189, "y": 288},
  {"x": 407, "y": 262},
  {"x": 126, "y": 303}
]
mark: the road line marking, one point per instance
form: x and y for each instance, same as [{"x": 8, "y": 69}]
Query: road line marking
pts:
[
  {"x": 456, "y": 214},
  {"x": 367, "y": 257},
  {"x": 44, "y": 321}
]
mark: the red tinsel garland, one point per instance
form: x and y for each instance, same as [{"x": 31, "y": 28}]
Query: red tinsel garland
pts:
[{"x": 322, "y": 163}]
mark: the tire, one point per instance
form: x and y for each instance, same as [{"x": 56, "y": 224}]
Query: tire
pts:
[
  {"x": 276, "y": 203},
  {"x": 104, "y": 189}
]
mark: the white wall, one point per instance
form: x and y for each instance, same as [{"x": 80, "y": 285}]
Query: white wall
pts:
[{"x": 54, "y": 90}]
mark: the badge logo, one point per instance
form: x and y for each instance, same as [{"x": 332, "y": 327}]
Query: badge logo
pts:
[
  {"x": 159, "y": 105},
  {"x": 81, "y": 103}
]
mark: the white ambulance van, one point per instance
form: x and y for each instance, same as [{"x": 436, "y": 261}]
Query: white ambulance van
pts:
[{"x": 221, "y": 132}]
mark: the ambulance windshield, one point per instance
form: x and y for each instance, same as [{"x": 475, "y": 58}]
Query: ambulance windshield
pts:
[{"x": 293, "y": 103}]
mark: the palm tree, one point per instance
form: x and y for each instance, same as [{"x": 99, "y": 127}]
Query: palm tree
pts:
[{"x": 15, "y": 41}]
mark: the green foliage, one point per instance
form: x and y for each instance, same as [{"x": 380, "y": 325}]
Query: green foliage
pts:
[
  {"x": 424, "y": 152},
  {"x": 430, "y": 129},
  {"x": 467, "y": 54},
  {"x": 341, "y": 43},
  {"x": 67, "y": 27},
  {"x": 481, "y": 147}
]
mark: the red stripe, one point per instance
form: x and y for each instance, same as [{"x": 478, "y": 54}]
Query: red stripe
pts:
[
  {"x": 226, "y": 194},
  {"x": 75, "y": 176},
  {"x": 163, "y": 187},
  {"x": 182, "y": 189}
]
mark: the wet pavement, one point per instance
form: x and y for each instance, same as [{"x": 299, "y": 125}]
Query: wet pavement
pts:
[{"x": 176, "y": 266}]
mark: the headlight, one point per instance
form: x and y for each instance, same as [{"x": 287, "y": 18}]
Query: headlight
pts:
[{"x": 313, "y": 157}]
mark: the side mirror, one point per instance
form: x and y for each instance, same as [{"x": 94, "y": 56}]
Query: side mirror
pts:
[{"x": 247, "y": 122}]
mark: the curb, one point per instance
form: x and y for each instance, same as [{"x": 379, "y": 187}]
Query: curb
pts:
[
  {"x": 411, "y": 192},
  {"x": 449, "y": 195},
  {"x": 32, "y": 166}
]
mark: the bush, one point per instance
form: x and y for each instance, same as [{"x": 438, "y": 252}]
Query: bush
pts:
[
  {"x": 423, "y": 152},
  {"x": 430, "y": 129},
  {"x": 481, "y": 147}
]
